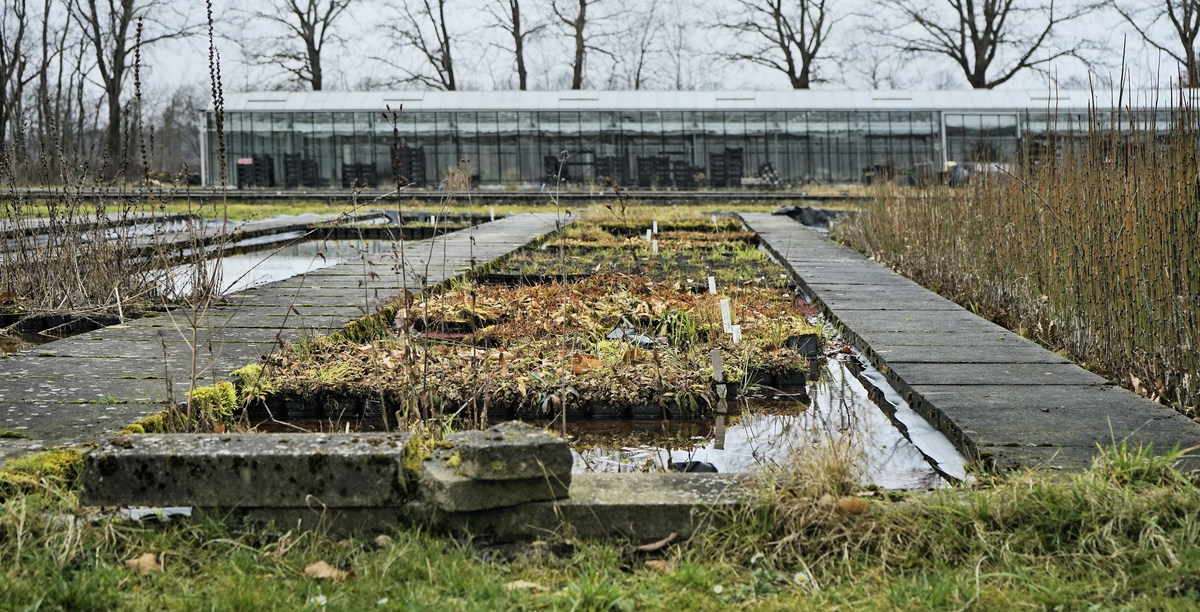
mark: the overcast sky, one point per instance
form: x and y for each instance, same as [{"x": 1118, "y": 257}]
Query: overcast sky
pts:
[{"x": 483, "y": 64}]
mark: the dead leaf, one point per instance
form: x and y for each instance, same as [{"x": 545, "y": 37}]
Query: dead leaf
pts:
[
  {"x": 660, "y": 566},
  {"x": 581, "y": 363},
  {"x": 525, "y": 585},
  {"x": 324, "y": 571},
  {"x": 146, "y": 564},
  {"x": 655, "y": 546},
  {"x": 852, "y": 505}
]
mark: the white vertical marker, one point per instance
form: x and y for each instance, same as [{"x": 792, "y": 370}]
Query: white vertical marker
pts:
[
  {"x": 717, "y": 365},
  {"x": 648, "y": 237},
  {"x": 736, "y": 330},
  {"x": 726, "y": 316},
  {"x": 712, "y": 285},
  {"x": 433, "y": 220},
  {"x": 654, "y": 246},
  {"x": 714, "y": 219},
  {"x": 492, "y": 212},
  {"x": 655, "y": 227}
]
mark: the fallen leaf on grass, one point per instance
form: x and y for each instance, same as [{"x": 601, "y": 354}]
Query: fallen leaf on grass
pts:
[
  {"x": 660, "y": 566},
  {"x": 659, "y": 545},
  {"x": 525, "y": 585},
  {"x": 581, "y": 363},
  {"x": 852, "y": 505},
  {"x": 146, "y": 564},
  {"x": 324, "y": 571}
]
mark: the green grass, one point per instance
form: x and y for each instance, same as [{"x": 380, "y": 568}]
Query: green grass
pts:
[{"x": 1124, "y": 535}]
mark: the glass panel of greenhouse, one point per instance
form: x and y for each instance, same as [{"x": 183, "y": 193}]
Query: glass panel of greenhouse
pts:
[{"x": 640, "y": 140}]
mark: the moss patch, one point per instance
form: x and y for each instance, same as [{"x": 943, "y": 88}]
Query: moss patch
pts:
[{"x": 59, "y": 467}]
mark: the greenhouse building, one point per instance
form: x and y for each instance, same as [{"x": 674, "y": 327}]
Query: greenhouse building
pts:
[{"x": 641, "y": 139}]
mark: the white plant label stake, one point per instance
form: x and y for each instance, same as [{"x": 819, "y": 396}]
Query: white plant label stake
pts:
[
  {"x": 712, "y": 285},
  {"x": 648, "y": 238},
  {"x": 654, "y": 246},
  {"x": 655, "y": 227},
  {"x": 717, "y": 365},
  {"x": 719, "y": 377},
  {"x": 492, "y": 212},
  {"x": 736, "y": 330},
  {"x": 714, "y": 219},
  {"x": 726, "y": 316},
  {"x": 433, "y": 220}
]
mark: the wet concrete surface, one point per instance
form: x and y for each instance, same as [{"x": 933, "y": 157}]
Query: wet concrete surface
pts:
[
  {"x": 1003, "y": 400},
  {"x": 88, "y": 386}
]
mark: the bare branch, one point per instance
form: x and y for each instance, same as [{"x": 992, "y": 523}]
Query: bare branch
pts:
[
  {"x": 991, "y": 41},
  {"x": 784, "y": 35}
]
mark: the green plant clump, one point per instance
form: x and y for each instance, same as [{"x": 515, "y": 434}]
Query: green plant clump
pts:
[
  {"x": 256, "y": 383},
  {"x": 214, "y": 401},
  {"x": 60, "y": 467}
]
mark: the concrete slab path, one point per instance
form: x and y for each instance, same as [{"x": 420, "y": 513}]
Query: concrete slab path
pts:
[
  {"x": 85, "y": 387},
  {"x": 1003, "y": 400}
]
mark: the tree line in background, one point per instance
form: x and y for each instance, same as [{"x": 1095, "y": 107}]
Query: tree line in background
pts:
[{"x": 68, "y": 67}]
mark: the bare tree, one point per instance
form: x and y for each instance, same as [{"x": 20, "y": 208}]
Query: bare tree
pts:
[
  {"x": 1184, "y": 19},
  {"x": 639, "y": 43},
  {"x": 517, "y": 27},
  {"x": 14, "y": 59},
  {"x": 175, "y": 140},
  {"x": 991, "y": 41},
  {"x": 109, "y": 28},
  {"x": 421, "y": 26},
  {"x": 573, "y": 16},
  {"x": 784, "y": 35},
  {"x": 303, "y": 29}
]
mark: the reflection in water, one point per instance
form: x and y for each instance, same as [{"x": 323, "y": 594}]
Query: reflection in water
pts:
[
  {"x": 771, "y": 435},
  {"x": 11, "y": 342},
  {"x": 275, "y": 263}
]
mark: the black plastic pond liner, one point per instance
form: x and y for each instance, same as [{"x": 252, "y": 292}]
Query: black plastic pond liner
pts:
[
  {"x": 812, "y": 217},
  {"x": 327, "y": 405},
  {"x": 805, "y": 345},
  {"x": 699, "y": 467},
  {"x": 388, "y": 233},
  {"x": 58, "y": 326},
  {"x": 528, "y": 280},
  {"x": 635, "y": 229}
]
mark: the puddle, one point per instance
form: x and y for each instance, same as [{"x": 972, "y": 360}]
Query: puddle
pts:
[
  {"x": 14, "y": 341},
  {"x": 780, "y": 434},
  {"x": 777, "y": 432},
  {"x": 245, "y": 270}
]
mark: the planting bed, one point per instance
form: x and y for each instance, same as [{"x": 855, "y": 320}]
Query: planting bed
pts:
[{"x": 611, "y": 335}]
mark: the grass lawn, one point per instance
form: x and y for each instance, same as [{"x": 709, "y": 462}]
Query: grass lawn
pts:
[{"x": 1124, "y": 535}]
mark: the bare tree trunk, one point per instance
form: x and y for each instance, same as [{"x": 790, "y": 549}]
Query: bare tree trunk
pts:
[
  {"x": 412, "y": 31},
  {"x": 786, "y": 36},
  {"x": 108, "y": 30},
  {"x": 508, "y": 17},
  {"x": 13, "y": 60},
  {"x": 519, "y": 45},
  {"x": 576, "y": 23}
]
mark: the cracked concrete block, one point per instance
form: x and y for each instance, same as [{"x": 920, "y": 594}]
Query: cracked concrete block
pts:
[
  {"x": 511, "y": 451},
  {"x": 447, "y": 489}
]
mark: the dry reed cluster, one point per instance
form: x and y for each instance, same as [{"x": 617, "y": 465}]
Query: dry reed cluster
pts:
[{"x": 1088, "y": 244}]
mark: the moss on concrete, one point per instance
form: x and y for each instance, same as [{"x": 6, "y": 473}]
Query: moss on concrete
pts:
[{"x": 60, "y": 467}]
